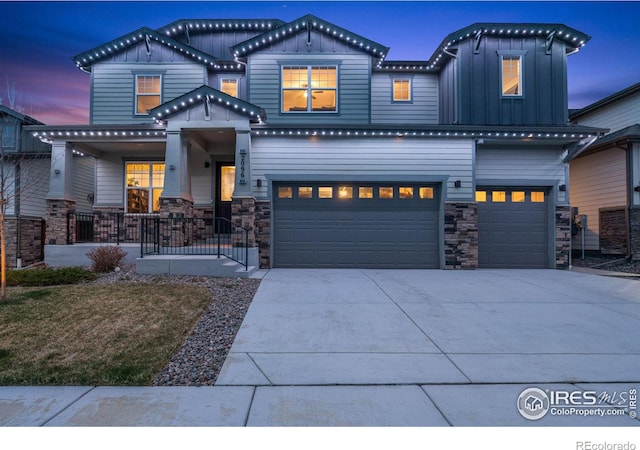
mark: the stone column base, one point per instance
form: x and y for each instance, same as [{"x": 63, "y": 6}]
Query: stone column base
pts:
[
  {"x": 634, "y": 232},
  {"x": 461, "y": 235},
  {"x": 263, "y": 232},
  {"x": 563, "y": 236},
  {"x": 176, "y": 222},
  {"x": 243, "y": 214},
  {"x": 60, "y": 218}
]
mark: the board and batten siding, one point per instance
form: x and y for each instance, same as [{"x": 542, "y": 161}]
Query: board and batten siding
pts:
[
  {"x": 34, "y": 185},
  {"x": 378, "y": 158},
  {"x": 113, "y": 88},
  {"x": 598, "y": 180},
  {"x": 533, "y": 165},
  {"x": 544, "y": 99},
  {"x": 353, "y": 86},
  {"x": 422, "y": 109},
  {"x": 83, "y": 182},
  {"x": 615, "y": 116}
]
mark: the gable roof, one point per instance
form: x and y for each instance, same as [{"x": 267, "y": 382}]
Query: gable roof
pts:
[
  {"x": 309, "y": 22},
  {"x": 142, "y": 35},
  {"x": 214, "y": 97},
  {"x": 26, "y": 120},
  {"x": 605, "y": 101},
  {"x": 573, "y": 38},
  {"x": 188, "y": 26}
]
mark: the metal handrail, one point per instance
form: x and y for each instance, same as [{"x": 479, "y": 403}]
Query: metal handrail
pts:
[{"x": 194, "y": 236}]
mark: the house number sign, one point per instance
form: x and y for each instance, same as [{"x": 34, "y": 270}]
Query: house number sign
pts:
[{"x": 243, "y": 154}]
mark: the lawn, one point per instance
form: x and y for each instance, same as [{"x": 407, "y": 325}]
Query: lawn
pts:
[{"x": 116, "y": 334}]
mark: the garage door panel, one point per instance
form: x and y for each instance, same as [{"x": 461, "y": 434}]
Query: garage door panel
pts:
[
  {"x": 513, "y": 234},
  {"x": 397, "y": 232}
]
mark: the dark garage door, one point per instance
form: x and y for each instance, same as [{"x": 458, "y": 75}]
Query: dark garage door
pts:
[
  {"x": 513, "y": 228},
  {"x": 355, "y": 225}
]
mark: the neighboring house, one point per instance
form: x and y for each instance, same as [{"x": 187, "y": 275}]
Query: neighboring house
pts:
[
  {"x": 605, "y": 178},
  {"x": 330, "y": 155},
  {"x": 25, "y": 164}
]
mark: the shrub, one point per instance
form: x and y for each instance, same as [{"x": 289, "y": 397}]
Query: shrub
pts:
[
  {"x": 49, "y": 276},
  {"x": 106, "y": 258}
]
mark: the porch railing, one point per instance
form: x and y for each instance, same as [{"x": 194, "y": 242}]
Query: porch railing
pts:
[
  {"x": 104, "y": 227},
  {"x": 194, "y": 236},
  {"x": 162, "y": 236}
]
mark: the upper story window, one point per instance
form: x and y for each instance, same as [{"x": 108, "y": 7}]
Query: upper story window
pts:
[
  {"x": 148, "y": 92},
  {"x": 145, "y": 181},
  {"x": 511, "y": 72},
  {"x": 401, "y": 90},
  {"x": 229, "y": 86},
  {"x": 309, "y": 88},
  {"x": 8, "y": 136}
]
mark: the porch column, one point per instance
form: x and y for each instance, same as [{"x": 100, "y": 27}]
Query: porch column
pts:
[
  {"x": 176, "y": 202},
  {"x": 177, "y": 183},
  {"x": 243, "y": 202},
  {"x": 61, "y": 205}
]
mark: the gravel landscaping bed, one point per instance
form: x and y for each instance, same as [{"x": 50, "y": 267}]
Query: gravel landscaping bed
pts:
[
  {"x": 613, "y": 263},
  {"x": 199, "y": 360}
]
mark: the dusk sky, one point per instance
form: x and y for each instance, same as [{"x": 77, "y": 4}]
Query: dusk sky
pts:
[{"x": 38, "y": 39}]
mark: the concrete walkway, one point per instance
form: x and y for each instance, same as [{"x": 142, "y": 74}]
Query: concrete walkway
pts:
[{"x": 392, "y": 348}]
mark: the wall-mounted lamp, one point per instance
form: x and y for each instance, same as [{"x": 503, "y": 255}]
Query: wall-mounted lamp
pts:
[
  {"x": 206, "y": 164},
  {"x": 457, "y": 183},
  {"x": 637, "y": 188},
  {"x": 562, "y": 187},
  {"x": 56, "y": 171},
  {"x": 172, "y": 167},
  {"x": 259, "y": 182}
]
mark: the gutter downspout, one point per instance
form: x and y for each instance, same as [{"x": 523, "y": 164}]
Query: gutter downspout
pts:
[
  {"x": 629, "y": 155},
  {"x": 456, "y": 84}
]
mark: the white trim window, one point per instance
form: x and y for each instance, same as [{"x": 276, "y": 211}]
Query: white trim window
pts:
[
  {"x": 229, "y": 86},
  {"x": 148, "y": 93},
  {"x": 401, "y": 90},
  {"x": 309, "y": 89},
  {"x": 144, "y": 184},
  {"x": 511, "y": 75}
]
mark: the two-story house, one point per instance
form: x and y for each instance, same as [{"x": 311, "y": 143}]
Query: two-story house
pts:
[
  {"x": 605, "y": 178},
  {"x": 327, "y": 152},
  {"x": 25, "y": 162}
]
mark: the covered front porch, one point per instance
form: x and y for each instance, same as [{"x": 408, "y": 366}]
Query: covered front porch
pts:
[{"x": 179, "y": 187}]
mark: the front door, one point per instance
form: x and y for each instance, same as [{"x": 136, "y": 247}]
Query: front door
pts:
[{"x": 226, "y": 174}]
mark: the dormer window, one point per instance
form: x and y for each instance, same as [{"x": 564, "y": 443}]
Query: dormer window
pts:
[
  {"x": 511, "y": 73},
  {"x": 148, "y": 93},
  {"x": 401, "y": 90},
  {"x": 309, "y": 88}
]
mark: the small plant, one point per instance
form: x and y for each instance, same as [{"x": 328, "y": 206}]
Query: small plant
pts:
[
  {"x": 49, "y": 276},
  {"x": 106, "y": 259}
]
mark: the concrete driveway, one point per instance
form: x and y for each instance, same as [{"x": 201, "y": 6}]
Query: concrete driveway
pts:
[{"x": 443, "y": 340}]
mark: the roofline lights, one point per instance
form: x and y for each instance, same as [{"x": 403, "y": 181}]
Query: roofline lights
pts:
[{"x": 419, "y": 133}]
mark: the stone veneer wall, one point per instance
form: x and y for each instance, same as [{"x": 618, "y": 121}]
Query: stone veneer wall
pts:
[
  {"x": 613, "y": 230},
  {"x": 563, "y": 236},
  {"x": 263, "y": 232},
  {"x": 460, "y": 235},
  {"x": 175, "y": 232},
  {"x": 634, "y": 232},
  {"x": 57, "y": 225},
  {"x": 243, "y": 214},
  {"x": 31, "y": 243}
]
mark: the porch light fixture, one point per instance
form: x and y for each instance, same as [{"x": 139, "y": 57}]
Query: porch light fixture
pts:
[
  {"x": 562, "y": 187},
  {"x": 457, "y": 183},
  {"x": 172, "y": 167},
  {"x": 637, "y": 188}
]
